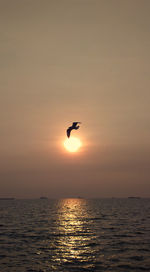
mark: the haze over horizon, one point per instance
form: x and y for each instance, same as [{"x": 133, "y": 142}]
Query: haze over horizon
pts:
[{"x": 65, "y": 61}]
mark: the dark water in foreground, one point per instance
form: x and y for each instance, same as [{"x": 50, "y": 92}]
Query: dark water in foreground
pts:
[{"x": 75, "y": 235}]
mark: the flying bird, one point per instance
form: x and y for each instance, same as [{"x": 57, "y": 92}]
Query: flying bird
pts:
[{"x": 74, "y": 126}]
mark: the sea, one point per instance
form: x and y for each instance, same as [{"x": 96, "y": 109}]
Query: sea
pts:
[{"x": 75, "y": 234}]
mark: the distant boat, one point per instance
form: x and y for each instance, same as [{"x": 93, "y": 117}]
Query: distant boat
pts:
[
  {"x": 43, "y": 197},
  {"x": 7, "y": 198},
  {"x": 80, "y": 197}
]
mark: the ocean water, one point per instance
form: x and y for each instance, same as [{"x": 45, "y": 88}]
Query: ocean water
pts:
[{"x": 75, "y": 235}]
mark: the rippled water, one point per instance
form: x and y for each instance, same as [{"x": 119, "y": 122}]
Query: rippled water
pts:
[{"x": 75, "y": 235}]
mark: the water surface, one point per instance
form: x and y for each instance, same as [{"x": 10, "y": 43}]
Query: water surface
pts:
[{"x": 75, "y": 235}]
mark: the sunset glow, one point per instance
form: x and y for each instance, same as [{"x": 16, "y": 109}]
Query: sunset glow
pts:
[{"x": 72, "y": 144}]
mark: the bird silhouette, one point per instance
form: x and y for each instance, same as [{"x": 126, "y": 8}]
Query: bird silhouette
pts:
[{"x": 74, "y": 126}]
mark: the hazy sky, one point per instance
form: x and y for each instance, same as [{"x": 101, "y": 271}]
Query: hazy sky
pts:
[{"x": 74, "y": 60}]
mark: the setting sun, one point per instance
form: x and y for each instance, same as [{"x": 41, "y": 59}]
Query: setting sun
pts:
[{"x": 72, "y": 144}]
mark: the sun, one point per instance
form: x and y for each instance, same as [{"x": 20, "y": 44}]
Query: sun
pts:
[{"x": 72, "y": 144}]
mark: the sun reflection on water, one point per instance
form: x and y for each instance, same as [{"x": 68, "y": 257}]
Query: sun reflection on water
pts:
[
  {"x": 73, "y": 233},
  {"x": 71, "y": 212}
]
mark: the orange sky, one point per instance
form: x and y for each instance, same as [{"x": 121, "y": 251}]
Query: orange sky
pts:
[{"x": 78, "y": 60}]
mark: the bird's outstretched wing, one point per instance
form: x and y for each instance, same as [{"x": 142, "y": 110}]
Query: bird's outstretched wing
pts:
[
  {"x": 75, "y": 123},
  {"x": 69, "y": 131}
]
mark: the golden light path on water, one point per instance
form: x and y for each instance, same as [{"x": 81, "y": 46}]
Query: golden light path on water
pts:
[{"x": 75, "y": 236}]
